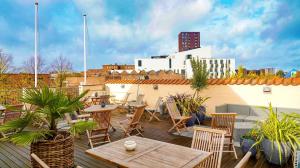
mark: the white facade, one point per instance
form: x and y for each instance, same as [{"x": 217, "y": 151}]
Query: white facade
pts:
[{"x": 180, "y": 63}]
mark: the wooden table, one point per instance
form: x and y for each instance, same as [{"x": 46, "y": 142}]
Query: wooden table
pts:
[
  {"x": 96, "y": 111},
  {"x": 148, "y": 154},
  {"x": 99, "y": 99}
]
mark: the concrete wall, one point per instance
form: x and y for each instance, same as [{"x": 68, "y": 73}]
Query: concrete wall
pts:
[{"x": 280, "y": 96}]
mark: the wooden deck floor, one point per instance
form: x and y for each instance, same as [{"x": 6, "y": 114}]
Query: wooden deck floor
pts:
[{"x": 12, "y": 156}]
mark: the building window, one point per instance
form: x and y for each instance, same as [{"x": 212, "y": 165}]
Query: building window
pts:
[
  {"x": 183, "y": 72},
  {"x": 170, "y": 63},
  {"x": 189, "y": 56},
  {"x": 139, "y": 63}
]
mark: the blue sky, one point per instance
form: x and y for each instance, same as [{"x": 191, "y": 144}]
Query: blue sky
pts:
[{"x": 256, "y": 33}]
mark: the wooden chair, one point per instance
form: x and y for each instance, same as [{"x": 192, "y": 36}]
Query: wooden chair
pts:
[
  {"x": 123, "y": 102},
  {"x": 81, "y": 117},
  {"x": 140, "y": 98},
  {"x": 41, "y": 162},
  {"x": 210, "y": 140},
  {"x": 9, "y": 116},
  {"x": 132, "y": 124},
  {"x": 178, "y": 120},
  {"x": 98, "y": 100},
  {"x": 100, "y": 135},
  {"x": 244, "y": 161},
  {"x": 225, "y": 121},
  {"x": 153, "y": 111}
]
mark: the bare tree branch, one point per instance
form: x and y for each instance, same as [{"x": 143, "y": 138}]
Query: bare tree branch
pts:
[
  {"x": 28, "y": 66},
  {"x": 62, "y": 67},
  {"x": 5, "y": 62}
]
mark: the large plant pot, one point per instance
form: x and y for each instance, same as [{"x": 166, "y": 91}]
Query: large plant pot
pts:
[
  {"x": 201, "y": 114},
  {"x": 55, "y": 153},
  {"x": 246, "y": 145},
  {"x": 272, "y": 153},
  {"x": 192, "y": 120}
]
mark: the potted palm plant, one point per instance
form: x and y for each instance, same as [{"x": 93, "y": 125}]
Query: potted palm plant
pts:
[
  {"x": 53, "y": 145},
  {"x": 279, "y": 135}
]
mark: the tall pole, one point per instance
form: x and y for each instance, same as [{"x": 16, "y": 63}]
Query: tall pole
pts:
[
  {"x": 84, "y": 46},
  {"x": 36, "y": 44}
]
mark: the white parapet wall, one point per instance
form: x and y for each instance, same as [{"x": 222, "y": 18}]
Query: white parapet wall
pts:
[{"x": 254, "y": 95}]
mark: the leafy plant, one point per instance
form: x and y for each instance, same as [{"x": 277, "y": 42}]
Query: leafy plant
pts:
[
  {"x": 280, "y": 129},
  {"x": 50, "y": 106},
  {"x": 188, "y": 104},
  {"x": 200, "y": 75},
  {"x": 252, "y": 134}
]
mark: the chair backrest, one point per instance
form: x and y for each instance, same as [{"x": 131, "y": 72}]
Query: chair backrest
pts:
[
  {"x": 140, "y": 98},
  {"x": 124, "y": 101},
  {"x": 210, "y": 140},
  {"x": 39, "y": 161},
  {"x": 103, "y": 119},
  {"x": 68, "y": 118},
  {"x": 139, "y": 110},
  {"x": 17, "y": 107},
  {"x": 10, "y": 116},
  {"x": 157, "y": 104},
  {"x": 172, "y": 108},
  {"x": 244, "y": 161},
  {"x": 223, "y": 121}
]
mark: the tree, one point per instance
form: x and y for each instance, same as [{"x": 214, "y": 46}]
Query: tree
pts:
[
  {"x": 62, "y": 67},
  {"x": 29, "y": 65},
  {"x": 241, "y": 72},
  {"x": 280, "y": 73},
  {"x": 200, "y": 75},
  {"x": 5, "y": 62}
]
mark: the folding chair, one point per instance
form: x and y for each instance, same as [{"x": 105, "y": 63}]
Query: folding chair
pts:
[
  {"x": 225, "y": 121},
  {"x": 132, "y": 124},
  {"x": 41, "y": 162},
  {"x": 209, "y": 140},
  {"x": 122, "y": 102},
  {"x": 153, "y": 111},
  {"x": 9, "y": 116},
  {"x": 178, "y": 120},
  {"x": 100, "y": 135},
  {"x": 244, "y": 161}
]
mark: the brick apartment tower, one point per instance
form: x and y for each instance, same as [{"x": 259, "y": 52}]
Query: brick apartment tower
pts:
[{"x": 188, "y": 41}]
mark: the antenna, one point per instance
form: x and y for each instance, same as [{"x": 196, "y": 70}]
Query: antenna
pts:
[
  {"x": 84, "y": 46},
  {"x": 36, "y": 43}
]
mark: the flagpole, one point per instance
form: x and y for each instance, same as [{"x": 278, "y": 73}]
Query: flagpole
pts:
[
  {"x": 36, "y": 44},
  {"x": 84, "y": 46}
]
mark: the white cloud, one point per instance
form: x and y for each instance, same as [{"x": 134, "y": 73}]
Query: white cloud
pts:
[
  {"x": 166, "y": 15},
  {"x": 93, "y": 8},
  {"x": 245, "y": 26}
]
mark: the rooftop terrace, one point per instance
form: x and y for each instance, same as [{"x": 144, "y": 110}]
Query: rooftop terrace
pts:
[{"x": 12, "y": 156}]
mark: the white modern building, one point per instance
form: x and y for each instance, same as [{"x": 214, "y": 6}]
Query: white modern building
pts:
[{"x": 180, "y": 63}]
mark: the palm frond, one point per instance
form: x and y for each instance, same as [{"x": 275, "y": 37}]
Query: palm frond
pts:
[
  {"x": 27, "y": 137},
  {"x": 18, "y": 124},
  {"x": 81, "y": 126}
]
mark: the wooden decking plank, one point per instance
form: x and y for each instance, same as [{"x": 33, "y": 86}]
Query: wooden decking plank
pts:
[
  {"x": 18, "y": 155},
  {"x": 6, "y": 157}
]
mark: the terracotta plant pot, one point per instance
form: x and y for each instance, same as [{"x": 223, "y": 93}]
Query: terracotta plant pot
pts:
[{"x": 55, "y": 153}]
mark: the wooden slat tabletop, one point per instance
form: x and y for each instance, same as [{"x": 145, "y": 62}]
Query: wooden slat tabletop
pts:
[
  {"x": 98, "y": 108},
  {"x": 148, "y": 153}
]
